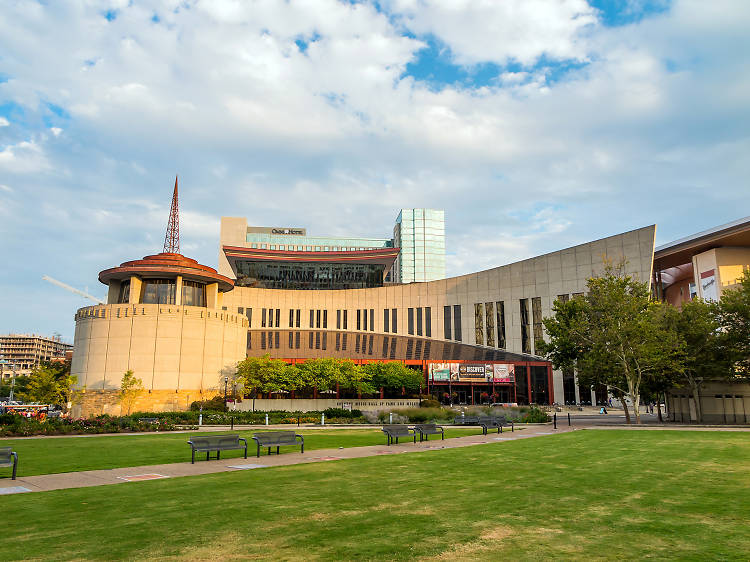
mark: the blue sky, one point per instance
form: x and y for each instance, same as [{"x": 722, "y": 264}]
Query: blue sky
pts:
[{"x": 536, "y": 125}]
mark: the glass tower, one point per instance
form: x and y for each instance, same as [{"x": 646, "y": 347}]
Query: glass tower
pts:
[{"x": 420, "y": 233}]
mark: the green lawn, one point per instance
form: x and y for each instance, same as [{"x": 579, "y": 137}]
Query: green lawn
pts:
[
  {"x": 583, "y": 495},
  {"x": 71, "y": 454}
]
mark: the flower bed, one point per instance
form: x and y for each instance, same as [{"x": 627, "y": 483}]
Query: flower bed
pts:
[{"x": 12, "y": 425}]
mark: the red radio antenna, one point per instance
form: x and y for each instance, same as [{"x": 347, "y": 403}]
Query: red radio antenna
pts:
[{"x": 172, "y": 239}]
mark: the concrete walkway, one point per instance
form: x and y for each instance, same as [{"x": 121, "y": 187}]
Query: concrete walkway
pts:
[{"x": 86, "y": 478}]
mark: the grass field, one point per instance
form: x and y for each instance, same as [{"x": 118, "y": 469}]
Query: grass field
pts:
[
  {"x": 72, "y": 454},
  {"x": 583, "y": 495}
]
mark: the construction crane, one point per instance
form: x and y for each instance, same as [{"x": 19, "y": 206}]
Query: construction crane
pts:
[{"x": 72, "y": 289}]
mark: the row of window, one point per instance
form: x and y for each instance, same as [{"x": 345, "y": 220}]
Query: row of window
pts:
[
  {"x": 164, "y": 291},
  {"x": 421, "y": 313},
  {"x": 295, "y": 248}
]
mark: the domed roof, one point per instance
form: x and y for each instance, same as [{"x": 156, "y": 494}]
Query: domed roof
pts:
[{"x": 166, "y": 265}]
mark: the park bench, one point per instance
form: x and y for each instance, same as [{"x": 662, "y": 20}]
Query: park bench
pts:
[
  {"x": 427, "y": 429},
  {"x": 217, "y": 443},
  {"x": 148, "y": 420},
  {"x": 8, "y": 458},
  {"x": 393, "y": 432},
  {"x": 278, "y": 439},
  {"x": 495, "y": 422}
]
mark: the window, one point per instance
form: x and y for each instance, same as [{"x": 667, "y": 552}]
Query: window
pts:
[
  {"x": 325, "y": 319},
  {"x": 419, "y": 321},
  {"x": 312, "y": 318},
  {"x": 338, "y": 319},
  {"x": 447, "y": 323},
  {"x": 536, "y": 317},
  {"x": 193, "y": 293},
  {"x": 522, "y": 388},
  {"x": 124, "y": 296},
  {"x": 158, "y": 291},
  {"x": 372, "y": 320},
  {"x": 345, "y": 322},
  {"x": 240, "y": 310},
  {"x": 489, "y": 310},
  {"x": 282, "y": 247},
  {"x": 273, "y": 246},
  {"x": 479, "y": 324},
  {"x": 394, "y": 321},
  {"x": 317, "y": 318},
  {"x": 428, "y": 321},
  {"x": 298, "y": 315},
  {"x": 291, "y": 318},
  {"x": 525, "y": 339},
  {"x": 263, "y": 318},
  {"x": 564, "y": 298},
  {"x": 359, "y": 320},
  {"x": 569, "y": 386},
  {"x": 500, "y": 324},
  {"x": 364, "y": 319},
  {"x": 249, "y": 314},
  {"x": 410, "y": 321},
  {"x": 278, "y": 318},
  {"x": 385, "y": 320},
  {"x": 457, "y": 322}
]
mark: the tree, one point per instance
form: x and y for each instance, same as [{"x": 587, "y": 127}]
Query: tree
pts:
[
  {"x": 43, "y": 387},
  {"x": 734, "y": 320},
  {"x": 355, "y": 378},
  {"x": 131, "y": 388},
  {"x": 614, "y": 335},
  {"x": 393, "y": 375}
]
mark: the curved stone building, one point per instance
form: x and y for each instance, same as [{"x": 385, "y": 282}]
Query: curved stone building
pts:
[{"x": 164, "y": 321}]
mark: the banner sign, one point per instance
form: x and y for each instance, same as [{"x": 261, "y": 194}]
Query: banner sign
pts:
[{"x": 472, "y": 372}]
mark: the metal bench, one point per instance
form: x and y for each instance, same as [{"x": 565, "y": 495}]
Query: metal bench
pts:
[
  {"x": 8, "y": 458},
  {"x": 427, "y": 429},
  {"x": 218, "y": 443},
  {"x": 278, "y": 439},
  {"x": 393, "y": 432},
  {"x": 495, "y": 422}
]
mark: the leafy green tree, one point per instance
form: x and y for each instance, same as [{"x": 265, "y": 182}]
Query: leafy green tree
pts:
[
  {"x": 614, "y": 335},
  {"x": 267, "y": 375},
  {"x": 43, "y": 387},
  {"x": 131, "y": 387},
  {"x": 20, "y": 386},
  {"x": 355, "y": 378},
  {"x": 393, "y": 375},
  {"x": 734, "y": 320}
]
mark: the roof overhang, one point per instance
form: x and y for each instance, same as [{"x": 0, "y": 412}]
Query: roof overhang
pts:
[
  {"x": 680, "y": 252},
  {"x": 382, "y": 256}
]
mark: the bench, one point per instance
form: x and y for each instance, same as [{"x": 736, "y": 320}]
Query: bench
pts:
[
  {"x": 8, "y": 458},
  {"x": 393, "y": 432},
  {"x": 495, "y": 422},
  {"x": 278, "y": 439},
  {"x": 427, "y": 429},
  {"x": 218, "y": 443}
]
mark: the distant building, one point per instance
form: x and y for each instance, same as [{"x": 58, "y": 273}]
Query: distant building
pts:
[
  {"x": 420, "y": 234},
  {"x": 21, "y": 353}
]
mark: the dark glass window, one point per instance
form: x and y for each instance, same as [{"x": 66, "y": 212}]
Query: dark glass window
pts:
[
  {"x": 312, "y": 318},
  {"x": 419, "y": 321},
  {"x": 522, "y": 389},
  {"x": 447, "y": 323},
  {"x": 193, "y": 293},
  {"x": 317, "y": 318},
  {"x": 291, "y": 318},
  {"x": 325, "y": 319},
  {"x": 359, "y": 319},
  {"x": 372, "y": 320},
  {"x": 338, "y": 319},
  {"x": 457, "y": 322},
  {"x": 410, "y": 321},
  {"x": 539, "y": 385},
  {"x": 364, "y": 323},
  {"x": 394, "y": 320},
  {"x": 489, "y": 314},
  {"x": 569, "y": 386},
  {"x": 500, "y": 324},
  {"x": 298, "y": 315},
  {"x": 303, "y": 275},
  {"x": 249, "y": 314},
  {"x": 386, "y": 314},
  {"x": 479, "y": 324},
  {"x": 345, "y": 319},
  {"x": 563, "y": 298},
  {"x": 428, "y": 322},
  {"x": 158, "y": 291},
  {"x": 536, "y": 317},
  {"x": 263, "y": 318},
  {"x": 124, "y": 296},
  {"x": 525, "y": 339},
  {"x": 278, "y": 318}
]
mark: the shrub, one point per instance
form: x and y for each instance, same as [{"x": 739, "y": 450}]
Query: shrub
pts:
[
  {"x": 215, "y": 403},
  {"x": 341, "y": 413},
  {"x": 429, "y": 403},
  {"x": 535, "y": 415}
]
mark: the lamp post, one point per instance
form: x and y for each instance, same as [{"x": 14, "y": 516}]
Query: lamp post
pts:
[{"x": 226, "y": 382}]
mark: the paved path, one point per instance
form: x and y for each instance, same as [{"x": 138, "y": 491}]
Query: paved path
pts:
[{"x": 46, "y": 482}]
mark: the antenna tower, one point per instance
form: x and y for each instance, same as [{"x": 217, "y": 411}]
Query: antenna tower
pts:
[{"x": 172, "y": 239}]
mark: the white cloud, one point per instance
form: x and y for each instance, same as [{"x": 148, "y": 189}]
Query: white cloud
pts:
[
  {"x": 335, "y": 137},
  {"x": 4, "y": 122}
]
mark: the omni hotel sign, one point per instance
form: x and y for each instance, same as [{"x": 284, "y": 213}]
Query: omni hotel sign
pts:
[
  {"x": 294, "y": 231},
  {"x": 472, "y": 372}
]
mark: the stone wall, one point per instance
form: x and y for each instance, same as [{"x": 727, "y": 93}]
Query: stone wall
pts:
[{"x": 96, "y": 402}]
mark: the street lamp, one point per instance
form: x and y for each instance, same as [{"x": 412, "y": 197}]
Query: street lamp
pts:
[{"x": 226, "y": 381}]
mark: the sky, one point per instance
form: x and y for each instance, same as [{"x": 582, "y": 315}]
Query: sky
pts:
[{"x": 535, "y": 124}]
